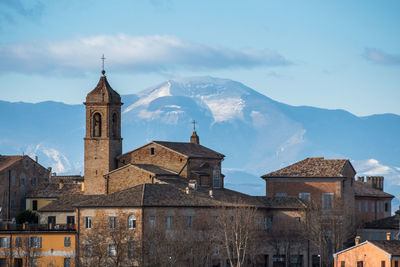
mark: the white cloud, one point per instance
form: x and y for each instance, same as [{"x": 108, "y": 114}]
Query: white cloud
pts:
[
  {"x": 57, "y": 160},
  {"x": 380, "y": 57},
  {"x": 127, "y": 53},
  {"x": 372, "y": 167}
]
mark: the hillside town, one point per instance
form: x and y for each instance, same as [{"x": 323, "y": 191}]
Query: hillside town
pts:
[{"x": 165, "y": 204}]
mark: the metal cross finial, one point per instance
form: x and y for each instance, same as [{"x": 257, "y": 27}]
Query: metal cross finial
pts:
[
  {"x": 194, "y": 125},
  {"x": 103, "y": 58}
]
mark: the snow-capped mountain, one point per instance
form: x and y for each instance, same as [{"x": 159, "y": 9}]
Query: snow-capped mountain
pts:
[{"x": 256, "y": 133}]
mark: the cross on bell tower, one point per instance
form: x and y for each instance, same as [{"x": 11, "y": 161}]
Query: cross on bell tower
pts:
[{"x": 194, "y": 139}]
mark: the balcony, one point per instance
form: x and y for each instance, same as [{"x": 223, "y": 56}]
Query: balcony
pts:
[{"x": 12, "y": 227}]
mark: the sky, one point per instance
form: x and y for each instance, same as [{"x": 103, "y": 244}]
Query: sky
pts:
[{"x": 336, "y": 55}]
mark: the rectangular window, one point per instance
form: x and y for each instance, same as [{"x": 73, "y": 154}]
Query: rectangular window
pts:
[
  {"x": 35, "y": 242},
  {"x": 131, "y": 249},
  {"x": 216, "y": 179},
  {"x": 71, "y": 220},
  {"x": 34, "y": 204},
  {"x": 359, "y": 206},
  {"x": 34, "y": 181},
  {"x": 33, "y": 262},
  {"x": 12, "y": 204},
  {"x": 366, "y": 206},
  {"x": 189, "y": 220},
  {"x": 67, "y": 262},
  {"x": 281, "y": 194},
  {"x": 21, "y": 181},
  {"x": 5, "y": 242},
  {"x": 18, "y": 242},
  {"x": 152, "y": 151},
  {"x": 342, "y": 264},
  {"x": 112, "y": 252},
  {"x": 306, "y": 196},
  {"x": 386, "y": 207},
  {"x": 88, "y": 251},
  {"x": 152, "y": 221},
  {"x": 88, "y": 222},
  {"x": 396, "y": 264},
  {"x": 327, "y": 201},
  {"x": 360, "y": 264},
  {"x": 67, "y": 242},
  {"x": 112, "y": 222},
  {"x": 373, "y": 207},
  {"x": 269, "y": 222},
  {"x": 382, "y": 206},
  {"x": 169, "y": 222},
  {"x": 3, "y": 262},
  {"x": 383, "y": 263}
]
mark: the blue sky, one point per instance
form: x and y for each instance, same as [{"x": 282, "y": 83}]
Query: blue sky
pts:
[{"x": 341, "y": 54}]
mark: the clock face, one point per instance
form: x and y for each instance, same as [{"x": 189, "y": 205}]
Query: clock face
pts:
[{"x": 26, "y": 163}]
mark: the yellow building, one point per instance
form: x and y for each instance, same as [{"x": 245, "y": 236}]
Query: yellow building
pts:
[{"x": 36, "y": 246}]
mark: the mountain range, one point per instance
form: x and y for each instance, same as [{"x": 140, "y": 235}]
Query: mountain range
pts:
[{"x": 256, "y": 133}]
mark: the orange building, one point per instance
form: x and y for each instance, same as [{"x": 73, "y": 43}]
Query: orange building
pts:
[
  {"x": 36, "y": 246},
  {"x": 377, "y": 253}
]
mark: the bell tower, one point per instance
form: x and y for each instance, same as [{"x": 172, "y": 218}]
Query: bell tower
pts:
[{"x": 103, "y": 142}]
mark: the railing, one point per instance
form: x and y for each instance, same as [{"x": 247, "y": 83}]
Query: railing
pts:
[{"x": 37, "y": 227}]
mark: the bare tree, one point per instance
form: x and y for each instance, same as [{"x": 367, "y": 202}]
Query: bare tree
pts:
[
  {"x": 112, "y": 245},
  {"x": 237, "y": 233},
  {"x": 328, "y": 229}
]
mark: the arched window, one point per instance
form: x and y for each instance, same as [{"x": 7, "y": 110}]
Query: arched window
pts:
[
  {"x": 96, "y": 125},
  {"x": 132, "y": 222},
  {"x": 114, "y": 125}
]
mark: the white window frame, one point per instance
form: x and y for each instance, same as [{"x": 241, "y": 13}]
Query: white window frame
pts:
[
  {"x": 88, "y": 222},
  {"x": 131, "y": 221},
  {"x": 112, "y": 252}
]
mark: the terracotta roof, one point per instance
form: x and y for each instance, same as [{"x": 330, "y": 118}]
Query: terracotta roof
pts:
[
  {"x": 66, "y": 179},
  {"x": 390, "y": 246},
  {"x": 65, "y": 203},
  {"x": 363, "y": 190},
  {"x": 103, "y": 88},
  {"x": 155, "y": 169},
  {"x": 170, "y": 195},
  {"x": 52, "y": 190},
  {"x": 312, "y": 167},
  {"x": 7, "y": 161},
  {"x": 391, "y": 222},
  {"x": 191, "y": 150}
]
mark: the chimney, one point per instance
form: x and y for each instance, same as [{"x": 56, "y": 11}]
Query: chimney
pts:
[
  {"x": 388, "y": 236},
  {"x": 187, "y": 191},
  {"x": 357, "y": 240},
  {"x": 211, "y": 193},
  {"x": 194, "y": 139},
  {"x": 36, "y": 158}
]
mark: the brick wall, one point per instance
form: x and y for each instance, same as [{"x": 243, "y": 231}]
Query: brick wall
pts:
[{"x": 127, "y": 177}]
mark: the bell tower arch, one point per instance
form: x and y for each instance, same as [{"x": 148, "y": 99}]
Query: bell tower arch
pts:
[{"x": 103, "y": 142}]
